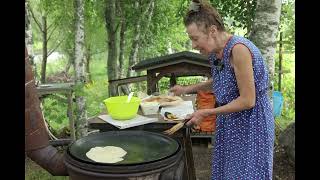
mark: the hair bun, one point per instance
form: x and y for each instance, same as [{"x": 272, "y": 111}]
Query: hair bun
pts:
[{"x": 194, "y": 6}]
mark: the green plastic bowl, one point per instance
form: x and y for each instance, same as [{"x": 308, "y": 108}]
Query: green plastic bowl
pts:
[{"x": 119, "y": 109}]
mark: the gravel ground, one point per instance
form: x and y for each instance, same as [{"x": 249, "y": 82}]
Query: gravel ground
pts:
[
  {"x": 202, "y": 155},
  {"x": 202, "y": 161}
]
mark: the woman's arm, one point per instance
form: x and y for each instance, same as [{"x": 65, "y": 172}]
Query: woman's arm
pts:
[
  {"x": 178, "y": 90},
  {"x": 242, "y": 64}
]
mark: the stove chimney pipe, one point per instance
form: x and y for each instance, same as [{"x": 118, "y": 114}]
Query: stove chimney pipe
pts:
[{"x": 37, "y": 146}]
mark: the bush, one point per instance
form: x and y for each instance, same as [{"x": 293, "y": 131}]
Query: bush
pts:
[{"x": 287, "y": 89}]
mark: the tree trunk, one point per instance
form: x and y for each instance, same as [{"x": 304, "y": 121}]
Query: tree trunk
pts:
[
  {"x": 124, "y": 88},
  {"x": 29, "y": 40},
  {"x": 149, "y": 15},
  {"x": 81, "y": 123},
  {"x": 44, "y": 50},
  {"x": 87, "y": 60},
  {"x": 133, "y": 58},
  {"x": 70, "y": 61},
  {"x": 264, "y": 33},
  {"x": 110, "y": 14},
  {"x": 123, "y": 28},
  {"x": 135, "y": 42},
  {"x": 69, "y": 49},
  {"x": 43, "y": 27}
]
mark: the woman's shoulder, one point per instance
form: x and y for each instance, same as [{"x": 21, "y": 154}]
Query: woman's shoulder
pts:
[{"x": 240, "y": 39}]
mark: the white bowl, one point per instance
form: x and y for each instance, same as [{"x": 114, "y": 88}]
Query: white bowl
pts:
[{"x": 149, "y": 108}]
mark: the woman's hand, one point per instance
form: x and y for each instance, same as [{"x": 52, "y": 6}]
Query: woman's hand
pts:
[
  {"x": 178, "y": 90},
  {"x": 197, "y": 116}
]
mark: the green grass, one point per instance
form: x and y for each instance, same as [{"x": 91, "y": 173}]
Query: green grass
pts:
[{"x": 35, "y": 172}]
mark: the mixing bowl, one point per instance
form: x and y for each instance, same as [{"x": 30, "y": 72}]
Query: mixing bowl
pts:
[{"x": 119, "y": 109}]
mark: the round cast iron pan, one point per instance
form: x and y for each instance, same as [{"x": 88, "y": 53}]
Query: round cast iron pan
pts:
[{"x": 141, "y": 146}]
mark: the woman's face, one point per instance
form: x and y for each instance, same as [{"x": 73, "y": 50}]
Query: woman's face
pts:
[{"x": 200, "y": 40}]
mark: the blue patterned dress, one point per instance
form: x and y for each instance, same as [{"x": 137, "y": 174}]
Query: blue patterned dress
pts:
[{"x": 244, "y": 140}]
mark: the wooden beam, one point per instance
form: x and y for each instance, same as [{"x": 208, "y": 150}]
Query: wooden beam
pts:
[
  {"x": 118, "y": 82},
  {"x": 43, "y": 89},
  {"x": 128, "y": 80},
  {"x": 55, "y": 96},
  {"x": 191, "y": 63}
]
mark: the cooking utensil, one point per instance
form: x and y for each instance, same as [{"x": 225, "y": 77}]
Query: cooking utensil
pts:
[
  {"x": 129, "y": 97},
  {"x": 170, "y": 116},
  {"x": 176, "y": 127},
  {"x": 141, "y": 146}
]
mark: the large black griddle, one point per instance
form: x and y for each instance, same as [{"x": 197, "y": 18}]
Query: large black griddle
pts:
[{"x": 141, "y": 146}]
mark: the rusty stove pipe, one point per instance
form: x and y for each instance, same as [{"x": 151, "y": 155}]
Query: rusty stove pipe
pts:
[{"x": 37, "y": 146}]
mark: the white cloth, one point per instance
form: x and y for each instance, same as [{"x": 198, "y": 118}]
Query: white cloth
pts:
[
  {"x": 181, "y": 110},
  {"x": 137, "y": 121}
]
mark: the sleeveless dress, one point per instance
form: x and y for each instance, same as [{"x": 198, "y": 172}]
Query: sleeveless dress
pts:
[{"x": 244, "y": 140}]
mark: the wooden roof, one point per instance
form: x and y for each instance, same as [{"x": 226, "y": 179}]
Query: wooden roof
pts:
[{"x": 176, "y": 58}]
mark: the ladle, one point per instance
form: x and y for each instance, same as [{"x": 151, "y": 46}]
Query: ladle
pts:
[{"x": 129, "y": 97}]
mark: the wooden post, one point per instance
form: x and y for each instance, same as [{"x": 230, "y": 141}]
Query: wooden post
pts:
[
  {"x": 70, "y": 115},
  {"x": 173, "y": 80},
  {"x": 280, "y": 63},
  {"x": 113, "y": 90},
  {"x": 151, "y": 86}
]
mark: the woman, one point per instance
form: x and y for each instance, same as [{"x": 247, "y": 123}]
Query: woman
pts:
[{"x": 245, "y": 125}]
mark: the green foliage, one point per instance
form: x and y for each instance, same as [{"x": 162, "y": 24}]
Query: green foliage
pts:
[
  {"x": 95, "y": 93},
  {"x": 287, "y": 24},
  {"x": 55, "y": 112},
  {"x": 287, "y": 89},
  {"x": 97, "y": 90},
  {"x": 54, "y": 66},
  {"x": 189, "y": 80},
  {"x": 58, "y": 16},
  {"x": 79, "y": 89},
  {"x": 165, "y": 31},
  {"x": 95, "y": 32},
  {"x": 237, "y": 14},
  {"x": 164, "y": 83}
]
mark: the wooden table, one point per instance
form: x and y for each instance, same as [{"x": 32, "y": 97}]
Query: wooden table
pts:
[{"x": 183, "y": 136}]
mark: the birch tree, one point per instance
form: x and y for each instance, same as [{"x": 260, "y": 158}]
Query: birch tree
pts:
[
  {"x": 123, "y": 28},
  {"x": 28, "y": 39},
  {"x": 111, "y": 26},
  {"x": 147, "y": 12},
  {"x": 264, "y": 32},
  {"x": 79, "y": 66},
  {"x": 46, "y": 9},
  {"x": 42, "y": 25}
]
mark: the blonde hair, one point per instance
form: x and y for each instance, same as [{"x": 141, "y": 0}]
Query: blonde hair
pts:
[{"x": 203, "y": 14}]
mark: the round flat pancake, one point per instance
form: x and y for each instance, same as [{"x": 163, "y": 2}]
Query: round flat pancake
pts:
[
  {"x": 107, "y": 154},
  {"x": 165, "y": 100}
]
